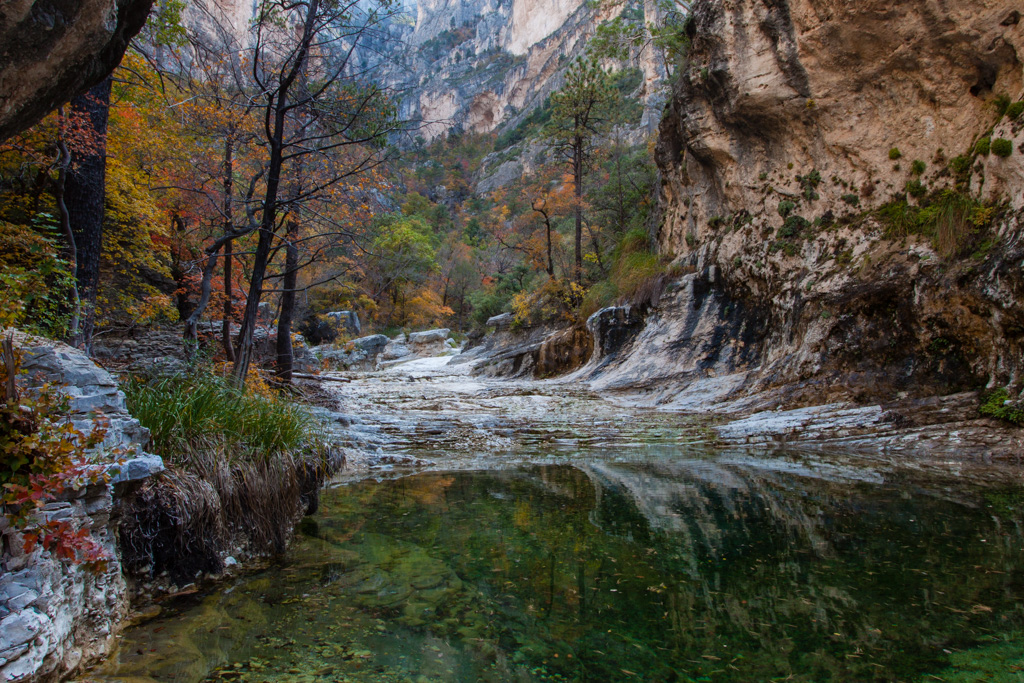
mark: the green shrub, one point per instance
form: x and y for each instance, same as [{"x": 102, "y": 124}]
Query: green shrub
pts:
[
  {"x": 997, "y": 404},
  {"x": 918, "y": 167},
  {"x": 1014, "y": 111},
  {"x": 36, "y": 282},
  {"x": 189, "y": 414},
  {"x": 895, "y": 153},
  {"x": 851, "y": 199},
  {"x": 1002, "y": 147},
  {"x": 915, "y": 188},
  {"x": 793, "y": 226},
  {"x": 983, "y": 145},
  {"x": 786, "y": 207},
  {"x": 1001, "y": 104},
  {"x": 960, "y": 167}
]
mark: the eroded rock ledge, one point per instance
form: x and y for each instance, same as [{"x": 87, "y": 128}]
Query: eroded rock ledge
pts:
[
  {"x": 56, "y": 617},
  {"x": 51, "y": 50}
]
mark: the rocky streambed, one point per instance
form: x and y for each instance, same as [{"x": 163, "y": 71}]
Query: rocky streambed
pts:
[{"x": 499, "y": 530}]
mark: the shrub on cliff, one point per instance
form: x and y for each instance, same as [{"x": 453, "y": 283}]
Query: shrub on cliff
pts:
[
  {"x": 951, "y": 219},
  {"x": 997, "y": 404},
  {"x": 1002, "y": 147}
]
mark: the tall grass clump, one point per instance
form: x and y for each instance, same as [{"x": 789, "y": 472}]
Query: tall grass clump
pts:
[
  {"x": 242, "y": 468},
  {"x": 951, "y": 219},
  {"x": 637, "y": 275},
  {"x": 205, "y": 413}
]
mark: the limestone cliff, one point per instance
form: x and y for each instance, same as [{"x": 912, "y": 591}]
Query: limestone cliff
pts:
[
  {"x": 800, "y": 135},
  {"x": 475, "y": 65},
  {"x": 51, "y": 50}
]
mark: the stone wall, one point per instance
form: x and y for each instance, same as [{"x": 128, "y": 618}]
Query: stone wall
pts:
[{"x": 55, "y": 617}]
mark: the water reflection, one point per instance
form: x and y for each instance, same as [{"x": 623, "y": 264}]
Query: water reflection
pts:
[{"x": 714, "y": 569}]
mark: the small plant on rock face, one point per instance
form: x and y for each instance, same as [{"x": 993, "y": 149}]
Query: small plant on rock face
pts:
[
  {"x": 895, "y": 153},
  {"x": 1001, "y": 104},
  {"x": 851, "y": 199},
  {"x": 997, "y": 404},
  {"x": 691, "y": 240},
  {"x": 918, "y": 167},
  {"x": 915, "y": 188},
  {"x": 793, "y": 226},
  {"x": 786, "y": 207},
  {"x": 1014, "y": 111},
  {"x": 983, "y": 146},
  {"x": 1002, "y": 147}
]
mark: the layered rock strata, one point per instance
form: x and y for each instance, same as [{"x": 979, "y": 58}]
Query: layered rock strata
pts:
[{"x": 55, "y": 617}]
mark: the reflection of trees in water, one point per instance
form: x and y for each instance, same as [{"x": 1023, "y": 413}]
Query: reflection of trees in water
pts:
[{"x": 828, "y": 575}]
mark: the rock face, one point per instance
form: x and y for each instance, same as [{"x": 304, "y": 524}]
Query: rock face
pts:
[
  {"x": 52, "y": 50},
  {"x": 826, "y": 110},
  {"x": 774, "y": 90},
  {"x": 476, "y": 65},
  {"x": 55, "y": 617}
]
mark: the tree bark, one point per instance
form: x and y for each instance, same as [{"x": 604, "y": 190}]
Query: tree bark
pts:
[
  {"x": 84, "y": 194},
  {"x": 191, "y": 324},
  {"x": 577, "y": 176},
  {"x": 229, "y": 226},
  {"x": 69, "y": 235},
  {"x": 285, "y": 352}
]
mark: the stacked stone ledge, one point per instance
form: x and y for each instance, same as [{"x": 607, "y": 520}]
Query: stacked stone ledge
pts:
[{"x": 56, "y": 617}]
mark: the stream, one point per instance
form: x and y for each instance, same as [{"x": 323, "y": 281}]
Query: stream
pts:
[{"x": 533, "y": 531}]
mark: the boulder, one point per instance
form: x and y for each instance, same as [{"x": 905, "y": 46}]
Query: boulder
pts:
[
  {"x": 358, "y": 354},
  {"x": 347, "y": 321},
  {"x": 501, "y": 321},
  {"x": 428, "y": 337},
  {"x": 52, "y": 51}
]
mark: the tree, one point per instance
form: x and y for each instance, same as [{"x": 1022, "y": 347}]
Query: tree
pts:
[
  {"x": 580, "y": 111},
  {"x": 658, "y": 26},
  {"x": 312, "y": 105},
  {"x": 83, "y": 195}
]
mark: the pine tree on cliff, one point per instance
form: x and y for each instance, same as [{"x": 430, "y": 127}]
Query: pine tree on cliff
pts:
[{"x": 580, "y": 111}]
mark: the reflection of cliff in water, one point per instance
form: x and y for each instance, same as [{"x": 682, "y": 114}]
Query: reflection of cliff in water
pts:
[{"x": 786, "y": 554}]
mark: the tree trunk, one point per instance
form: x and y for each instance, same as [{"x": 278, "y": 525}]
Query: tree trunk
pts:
[
  {"x": 225, "y": 329},
  {"x": 276, "y": 114},
  {"x": 577, "y": 176},
  {"x": 285, "y": 352},
  {"x": 229, "y": 226},
  {"x": 84, "y": 194},
  {"x": 69, "y": 236},
  {"x": 191, "y": 324}
]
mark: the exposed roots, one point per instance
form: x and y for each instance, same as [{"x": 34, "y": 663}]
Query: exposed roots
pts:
[{"x": 186, "y": 521}]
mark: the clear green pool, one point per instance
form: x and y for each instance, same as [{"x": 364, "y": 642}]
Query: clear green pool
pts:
[{"x": 717, "y": 568}]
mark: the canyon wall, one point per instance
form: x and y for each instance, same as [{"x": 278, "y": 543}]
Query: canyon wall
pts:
[
  {"x": 475, "y": 66},
  {"x": 838, "y": 233}
]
